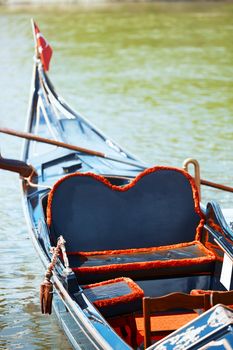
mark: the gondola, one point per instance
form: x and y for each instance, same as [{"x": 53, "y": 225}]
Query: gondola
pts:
[{"x": 132, "y": 258}]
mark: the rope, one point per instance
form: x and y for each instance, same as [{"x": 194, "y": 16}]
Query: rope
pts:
[{"x": 46, "y": 288}]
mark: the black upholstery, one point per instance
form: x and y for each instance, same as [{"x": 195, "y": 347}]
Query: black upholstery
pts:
[
  {"x": 99, "y": 267},
  {"x": 158, "y": 210},
  {"x": 113, "y": 292},
  {"x": 162, "y": 286},
  {"x": 177, "y": 253}
]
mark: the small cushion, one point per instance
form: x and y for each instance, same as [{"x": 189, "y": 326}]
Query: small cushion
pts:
[{"x": 115, "y": 297}]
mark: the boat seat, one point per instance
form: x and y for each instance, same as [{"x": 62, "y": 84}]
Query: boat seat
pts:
[
  {"x": 151, "y": 227},
  {"x": 176, "y": 260},
  {"x": 115, "y": 297},
  {"x": 211, "y": 330},
  {"x": 118, "y": 300},
  {"x": 171, "y": 301},
  {"x": 178, "y": 303}
]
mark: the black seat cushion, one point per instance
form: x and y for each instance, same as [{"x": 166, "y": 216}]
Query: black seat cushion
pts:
[
  {"x": 180, "y": 259},
  {"x": 115, "y": 297}
]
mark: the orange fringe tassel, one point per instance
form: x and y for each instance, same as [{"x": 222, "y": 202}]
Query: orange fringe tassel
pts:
[{"x": 46, "y": 295}]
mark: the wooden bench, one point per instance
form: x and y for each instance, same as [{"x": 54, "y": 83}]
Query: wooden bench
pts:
[{"x": 196, "y": 300}]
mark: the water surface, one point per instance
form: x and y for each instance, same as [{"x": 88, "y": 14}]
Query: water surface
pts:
[{"x": 157, "y": 78}]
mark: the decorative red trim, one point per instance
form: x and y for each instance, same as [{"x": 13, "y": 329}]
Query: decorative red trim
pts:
[
  {"x": 126, "y": 187},
  {"x": 200, "y": 292},
  {"x": 208, "y": 257},
  {"x": 199, "y": 229},
  {"x": 215, "y": 249},
  {"x": 144, "y": 265},
  {"x": 136, "y": 292},
  {"x": 140, "y": 250}
]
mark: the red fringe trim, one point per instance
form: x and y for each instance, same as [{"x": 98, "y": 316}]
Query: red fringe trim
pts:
[
  {"x": 136, "y": 292},
  {"x": 209, "y": 257},
  {"x": 141, "y": 250},
  {"x": 214, "y": 248},
  {"x": 144, "y": 265},
  {"x": 200, "y": 292},
  {"x": 127, "y": 187}
]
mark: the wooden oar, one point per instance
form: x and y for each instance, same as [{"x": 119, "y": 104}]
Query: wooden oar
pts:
[
  {"x": 218, "y": 186},
  {"x": 33, "y": 137},
  {"x": 29, "y": 136}
]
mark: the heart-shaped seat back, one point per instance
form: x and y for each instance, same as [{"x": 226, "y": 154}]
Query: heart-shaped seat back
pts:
[{"x": 159, "y": 207}]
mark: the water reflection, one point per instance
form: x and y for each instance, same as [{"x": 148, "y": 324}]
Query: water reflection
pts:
[{"x": 155, "y": 77}]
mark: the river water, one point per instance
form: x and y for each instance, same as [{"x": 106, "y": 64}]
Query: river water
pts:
[{"x": 156, "y": 77}]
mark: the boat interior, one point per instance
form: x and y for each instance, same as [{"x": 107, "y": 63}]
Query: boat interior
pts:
[{"x": 142, "y": 250}]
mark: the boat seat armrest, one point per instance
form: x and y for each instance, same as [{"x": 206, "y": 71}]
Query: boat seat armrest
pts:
[
  {"x": 215, "y": 219},
  {"x": 218, "y": 228},
  {"x": 215, "y": 297}
]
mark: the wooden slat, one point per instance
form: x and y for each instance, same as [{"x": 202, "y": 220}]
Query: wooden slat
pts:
[{"x": 170, "y": 302}]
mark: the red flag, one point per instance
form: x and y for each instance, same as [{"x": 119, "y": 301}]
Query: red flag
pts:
[{"x": 44, "y": 49}]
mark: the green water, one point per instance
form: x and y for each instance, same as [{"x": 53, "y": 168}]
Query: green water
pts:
[{"x": 157, "y": 78}]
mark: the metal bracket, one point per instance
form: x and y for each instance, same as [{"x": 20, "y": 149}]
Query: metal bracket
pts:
[{"x": 197, "y": 177}]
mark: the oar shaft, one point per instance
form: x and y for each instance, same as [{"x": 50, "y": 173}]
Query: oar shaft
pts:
[
  {"x": 218, "y": 186},
  {"x": 29, "y": 136}
]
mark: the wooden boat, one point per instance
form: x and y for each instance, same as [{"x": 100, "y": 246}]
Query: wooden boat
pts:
[{"x": 121, "y": 243}]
